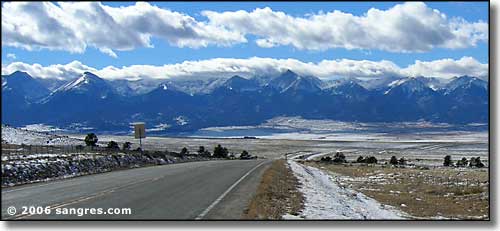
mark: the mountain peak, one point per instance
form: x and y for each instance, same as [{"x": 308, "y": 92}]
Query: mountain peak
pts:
[
  {"x": 22, "y": 83},
  {"x": 240, "y": 84},
  {"x": 348, "y": 88},
  {"x": 290, "y": 73},
  {"x": 408, "y": 86},
  {"x": 236, "y": 77},
  {"x": 90, "y": 75},
  {"x": 86, "y": 81},
  {"x": 466, "y": 82},
  {"x": 283, "y": 81},
  {"x": 20, "y": 74}
]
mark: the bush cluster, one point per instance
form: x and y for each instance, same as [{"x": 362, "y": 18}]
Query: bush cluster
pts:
[
  {"x": 473, "y": 162},
  {"x": 368, "y": 160}
]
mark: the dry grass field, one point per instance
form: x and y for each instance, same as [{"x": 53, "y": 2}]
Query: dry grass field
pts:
[
  {"x": 453, "y": 193},
  {"x": 277, "y": 194}
]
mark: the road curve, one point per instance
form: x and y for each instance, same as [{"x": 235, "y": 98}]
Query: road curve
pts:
[{"x": 195, "y": 190}]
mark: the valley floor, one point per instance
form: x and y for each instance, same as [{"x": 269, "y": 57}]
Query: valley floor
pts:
[
  {"x": 424, "y": 190},
  {"x": 414, "y": 193}
]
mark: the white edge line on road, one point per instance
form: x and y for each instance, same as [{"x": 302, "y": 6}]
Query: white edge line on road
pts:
[{"x": 211, "y": 206}]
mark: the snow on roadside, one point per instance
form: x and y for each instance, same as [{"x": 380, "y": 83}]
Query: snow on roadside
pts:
[
  {"x": 316, "y": 155},
  {"x": 324, "y": 199}
]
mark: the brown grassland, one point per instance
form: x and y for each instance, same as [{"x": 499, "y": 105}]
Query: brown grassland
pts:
[
  {"x": 276, "y": 195},
  {"x": 423, "y": 193}
]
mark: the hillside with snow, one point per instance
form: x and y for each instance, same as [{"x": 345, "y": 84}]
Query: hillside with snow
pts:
[{"x": 12, "y": 135}]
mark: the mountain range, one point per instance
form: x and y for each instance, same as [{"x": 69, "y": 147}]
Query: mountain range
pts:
[{"x": 186, "y": 105}]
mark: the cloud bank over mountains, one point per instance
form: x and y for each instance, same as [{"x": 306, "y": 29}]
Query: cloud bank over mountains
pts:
[
  {"x": 73, "y": 27},
  {"x": 256, "y": 66},
  {"x": 407, "y": 27}
]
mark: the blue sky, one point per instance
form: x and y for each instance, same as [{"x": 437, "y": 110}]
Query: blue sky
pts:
[{"x": 165, "y": 53}]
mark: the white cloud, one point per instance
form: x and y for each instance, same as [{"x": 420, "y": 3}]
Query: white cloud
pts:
[
  {"x": 57, "y": 71},
  {"x": 448, "y": 68},
  {"x": 408, "y": 27},
  {"x": 11, "y": 56},
  {"x": 226, "y": 67},
  {"x": 73, "y": 27}
]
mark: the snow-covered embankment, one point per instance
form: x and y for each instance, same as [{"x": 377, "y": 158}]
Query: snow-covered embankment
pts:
[{"x": 324, "y": 199}]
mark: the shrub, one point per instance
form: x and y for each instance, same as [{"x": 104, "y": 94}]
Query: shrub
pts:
[
  {"x": 326, "y": 159},
  {"x": 447, "y": 161},
  {"x": 244, "y": 155},
  {"x": 184, "y": 152},
  {"x": 91, "y": 139},
  {"x": 368, "y": 160},
  {"x": 476, "y": 162},
  {"x": 112, "y": 145},
  {"x": 220, "y": 152},
  {"x": 393, "y": 161},
  {"x": 462, "y": 163},
  {"x": 339, "y": 158},
  {"x": 126, "y": 146},
  {"x": 201, "y": 150},
  {"x": 207, "y": 154},
  {"x": 371, "y": 160},
  {"x": 402, "y": 161}
]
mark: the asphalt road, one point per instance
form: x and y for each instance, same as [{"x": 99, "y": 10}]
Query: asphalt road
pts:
[{"x": 195, "y": 190}]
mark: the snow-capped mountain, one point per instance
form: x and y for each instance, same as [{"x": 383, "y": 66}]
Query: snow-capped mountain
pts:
[
  {"x": 465, "y": 82},
  {"x": 88, "y": 83},
  {"x": 102, "y": 104},
  {"x": 408, "y": 87},
  {"x": 19, "y": 92},
  {"x": 86, "y": 99},
  {"x": 378, "y": 84},
  {"x": 348, "y": 88},
  {"x": 238, "y": 83},
  {"x": 467, "y": 98},
  {"x": 163, "y": 90},
  {"x": 292, "y": 82},
  {"x": 21, "y": 84},
  {"x": 434, "y": 83},
  {"x": 467, "y": 90},
  {"x": 52, "y": 83}
]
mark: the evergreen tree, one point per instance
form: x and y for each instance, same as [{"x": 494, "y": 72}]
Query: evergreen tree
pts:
[
  {"x": 184, "y": 151},
  {"x": 91, "y": 139},
  {"x": 393, "y": 161},
  {"x": 447, "y": 161},
  {"x": 220, "y": 152}
]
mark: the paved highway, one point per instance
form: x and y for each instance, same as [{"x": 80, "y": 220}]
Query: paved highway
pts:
[{"x": 195, "y": 190}]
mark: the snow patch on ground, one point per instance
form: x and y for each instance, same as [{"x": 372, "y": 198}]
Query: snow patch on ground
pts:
[
  {"x": 40, "y": 128},
  {"x": 181, "y": 120},
  {"x": 316, "y": 155},
  {"x": 297, "y": 128},
  {"x": 159, "y": 127},
  {"x": 22, "y": 136},
  {"x": 324, "y": 199}
]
